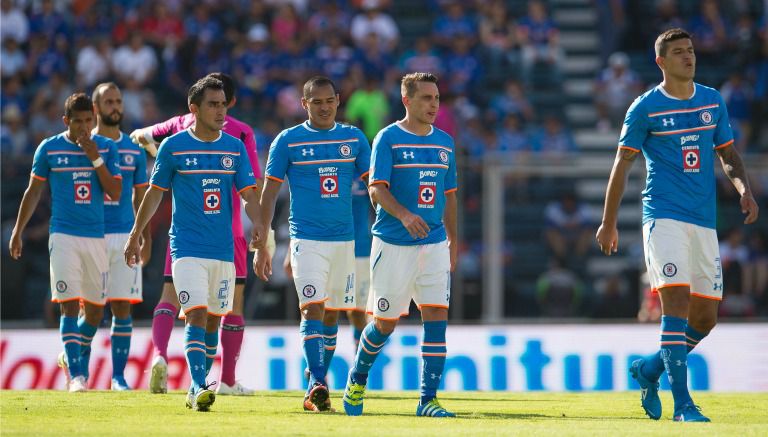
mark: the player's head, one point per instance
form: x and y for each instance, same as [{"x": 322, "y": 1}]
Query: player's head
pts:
[
  {"x": 208, "y": 103},
  {"x": 229, "y": 87},
  {"x": 674, "y": 54},
  {"x": 420, "y": 96},
  {"x": 321, "y": 100},
  {"x": 78, "y": 115},
  {"x": 108, "y": 103}
]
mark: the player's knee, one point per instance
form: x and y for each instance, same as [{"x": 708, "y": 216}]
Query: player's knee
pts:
[
  {"x": 120, "y": 309},
  {"x": 197, "y": 317},
  {"x": 169, "y": 295},
  {"x": 212, "y": 323},
  {"x": 70, "y": 309},
  {"x": 703, "y": 323},
  {"x": 93, "y": 313},
  {"x": 313, "y": 311},
  {"x": 330, "y": 318},
  {"x": 386, "y": 327}
]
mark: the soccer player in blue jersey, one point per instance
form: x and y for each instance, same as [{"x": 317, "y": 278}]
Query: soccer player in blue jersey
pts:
[
  {"x": 679, "y": 126},
  {"x": 124, "y": 287},
  {"x": 320, "y": 158},
  {"x": 80, "y": 169},
  {"x": 413, "y": 184},
  {"x": 201, "y": 164}
]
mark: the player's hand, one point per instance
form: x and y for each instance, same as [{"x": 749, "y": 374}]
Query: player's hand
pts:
[
  {"x": 15, "y": 245},
  {"x": 415, "y": 225},
  {"x": 608, "y": 239},
  {"x": 132, "y": 251},
  {"x": 749, "y": 207},
  {"x": 139, "y": 137},
  {"x": 262, "y": 264},
  {"x": 145, "y": 250},
  {"x": 453, "y": 252},
  {"x": 89, "y": 146},
  {"x": 287, "y": 264}
]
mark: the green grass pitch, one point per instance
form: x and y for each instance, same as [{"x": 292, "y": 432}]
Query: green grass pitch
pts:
[{"x": 105, "y": 413}]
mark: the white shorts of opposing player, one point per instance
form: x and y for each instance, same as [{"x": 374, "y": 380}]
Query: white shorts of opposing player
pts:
[
  {"x": 683, "y": 254},
  {"x": 79, "y": 268},
  {"x": 124, "y": 282},
  {"x": 324, "y": 271},
  {"x": 362, "y": 282},
  {"x": 204, "y": 283},
  {"x": 402, "y": 273}
]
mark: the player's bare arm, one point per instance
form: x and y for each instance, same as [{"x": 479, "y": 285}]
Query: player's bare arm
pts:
[
  {"x": 451, "y": 228},
  {"x": 28, "y": 204},
  {"x": 734, "y": 168},
  {"x": 413, "y": 223},
  {"x": 607, "y": 235},
  {"x": 251, "y": 203},
  {"x": 262, "y": 261},
  {"x": 112, "y": 185},
  {"x": 147, "y": 209},
  {"x": 146, "y": 237}
]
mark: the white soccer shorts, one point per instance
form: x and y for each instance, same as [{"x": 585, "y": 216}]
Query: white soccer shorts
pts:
[
  {"x": 362, "y": 282},
  {"x": 79, "y": 268},
  {"x": 124, "y": 282},
  {"x": 324, "y": 271},
  {"x": 402, "y": 273},
  {"x": 204, "y": 283},
  {"x": 683, "y": 254}
]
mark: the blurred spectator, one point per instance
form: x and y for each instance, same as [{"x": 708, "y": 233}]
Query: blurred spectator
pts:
[
  {"x": 756, "y": 270},
  {"x": 12, "y": 59},
  {"x": 512, "y": 102},
  {"x": 374, "y": 60},
  {"x": 47, "y": 122},
  {"x": 201, "y": 26},
  {"x": 498, "y": 38},
  {"x": 212, "y": 57},
  {"x": 734, "y": 255},
  {"x": 14, "y": 135},
  {"x": 286, "y": 25},
  {"x": 739, "y": 97},
  {"x": 13, "y": 22},
  {"x": 612, "y": 300},
  {"x": 251, "y": 67},
  {"x": 48, "y": 22},
  {"x": 423, "y": 57},
  {"x": 611, "y": 25},
  {"x": 368, "y": 108},
  {"x": 372, "y": 19},
  {"x": 514, "y": 140},
  {"x": 12, "y": 97},
  {"x": 471, "y": 140},
  {"x": 711, "y": 32},
  {"x": 615, "y": 89},
  {"x": 329, "y": 19},
  {"x": 135, "y": 61},
  {"x": 454, "y": 21},
  {"x": 446, "y": 118},
  {"x": 463, "y": 67},
  {"x": 46, "y": 58},
  {"x": 559, "y": 291},
  {"x": 162, "y": 28},
  {"x": 665, "y": 18},
  {"x": 335, "y": 58},
  {"x": 746, "y": 40},
  {"x": 650, "y": 305},
  {"x": 540, "y": 41},
  {"x": 93, "y": 24},
  {"x": 568, "y": 229},
  {"x": 126, "y": 22},
  {"x": 554, "y": 142},
  {"x": 289, "y": 108},
  {"x": 56, "y": 90},
  {"x": 94, "y": 63}
]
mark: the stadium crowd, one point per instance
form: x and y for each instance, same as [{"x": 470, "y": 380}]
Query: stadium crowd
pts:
[{"x": 495, "y": 60}]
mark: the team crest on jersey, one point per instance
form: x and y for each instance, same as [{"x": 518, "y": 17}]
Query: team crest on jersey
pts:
[
  {"x": 443, "y": 155},
  {"x": 382, "y": 304},
  {"x": 82, "y": 192},
  {"x": 212, "y": 201},
  {"x": 345, "y": 150},
  {"x": 670, "y": 270},
  {"x": 427, "y": 194},
  {"x": 227, "y": 162},
  {"x": 706, "y": 117},
  {"x": 61, "y": 286},
  {"x": 691, "y": 159},
  {"x": 128, "y": 159},
  {"x": 309, "y": 290},
  {"x": 183, "y": 297}
]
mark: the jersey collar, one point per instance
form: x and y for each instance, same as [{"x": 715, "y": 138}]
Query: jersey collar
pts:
[
  {"x": 431, "y": 129},
  {"x": 311, "y": 129},
  {"x": 191, "y": 134},
  {"x": 666, "y": 94}
]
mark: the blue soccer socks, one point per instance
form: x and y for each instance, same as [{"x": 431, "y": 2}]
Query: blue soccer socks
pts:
[
  {"x": 70, "y": 336},
  {"x": 674, "y": 354},
  {"x": 654, "y": 365},
  {"x": 194, "y": 349},
  {"x": 122, "y": 330},
  {"x": 87, "y": 332},
  {"x": 211, "y": 343},
  {"x": 433, "y": 353},
  {"x": 314, "y": 349},
  {"x": 329, "y": 344},
  {"x": 371, "y": 343}
]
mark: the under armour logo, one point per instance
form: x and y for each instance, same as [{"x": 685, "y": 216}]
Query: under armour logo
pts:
[
  {"x": 191, "y": 161},
  {"x": 668, "y": 121},
  {"x": 717, "y": 287},
  {"x": 434, "y": 376},
  {"x": 62, "y": 160},
  {"x": 310, "y": 152},
  {"x": 408, "y": 155}
]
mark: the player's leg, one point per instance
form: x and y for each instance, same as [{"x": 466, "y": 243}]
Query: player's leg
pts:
[
  {"x": 357, "y": 317},
  {"x": 95, "y": 277},
  {"x": 122, "y": 330},
  {"x": 358, "y": 320},
  {"x": 163, "y": 319},
  {"x": 233, "y": 327},
  {"x": 330, "y": 331},
  {"x": 342, "y": 294},
  {"x": 211, "y": 340}
]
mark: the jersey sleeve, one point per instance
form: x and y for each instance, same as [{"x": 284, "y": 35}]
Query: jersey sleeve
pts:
[
  {"x": 451, "y": 179},
  {"x": 635, "y": 128},
  {"x": 363, "y": 161},
  {"x": 162, "y": 173},
  {"x": 112, "y": 159},
  {"x": 253, "y": 154},
  {"x": 381, "y": 160},
  {"x": 723, "y": 136},
  {"x": 40, "y": 167},
  {"x": 277, "y": 162},
  {"x": 244, "y": 176},
  {"x": 166, "y": 128},
  {"x": 140, "y": 173}
]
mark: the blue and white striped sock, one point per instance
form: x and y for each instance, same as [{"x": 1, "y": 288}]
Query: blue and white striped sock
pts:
[
  {"x": 371, "y": 343},
  {"x": 122, "y": 329}
]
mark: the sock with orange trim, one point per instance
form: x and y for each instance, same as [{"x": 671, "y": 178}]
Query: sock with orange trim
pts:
[
  {"x": 312, "y": 335},
  {"x": 674, "y": 354},
  {"x": 371, "y": 343},
  {"x": 654, "y": 365},
  {"x": 433, "y": 352},
  {"x": 329, "y": 342}
]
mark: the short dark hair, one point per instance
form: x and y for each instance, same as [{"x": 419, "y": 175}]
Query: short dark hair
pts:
[
  {"x": 666, "y": 37},
  {"x": 196, "y": 91},
  {"x": 99, "y": 90},
  {"x": 408, "y": 82},
  {"x": 77, "y": 102},
  {"x": 229, "y": 85},
  {"x": 318, "y": 81}
]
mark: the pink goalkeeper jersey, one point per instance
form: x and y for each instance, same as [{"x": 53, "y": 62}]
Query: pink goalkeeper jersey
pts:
[{"x": 233, "y": 127}]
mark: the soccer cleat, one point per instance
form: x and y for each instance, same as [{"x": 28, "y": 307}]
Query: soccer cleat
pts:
[
  {"x": 318, "y": 399},
  {"x": 119, "y": 384},
  {"x": 61, "y": 360},
  {"x": 690, "y": 413},
  {"x": 78, "y": 384},
  {"x": 433, "y": 409},
  {"x": 354, "y": 394},
  {"x": 233, "y": 390},
  {"x": 158, "y": 378},
  {"x": 201, "y": 399},
  {"x": 649, "y": 391}
]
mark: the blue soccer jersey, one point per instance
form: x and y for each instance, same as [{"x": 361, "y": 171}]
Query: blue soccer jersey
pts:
[
  {"x": 419, "y": 171},
  {"x": 202, "y": 175},
  {"x": 678, "y": 139},
  {"x": 320, "y": 165},
  {"x": 361, "y": 207},
  {"x": 77, "y": 198},
  {"x": 119, "y": 216}
]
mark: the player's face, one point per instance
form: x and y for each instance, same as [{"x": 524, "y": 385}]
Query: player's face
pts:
[
  {"x": 110, "y": 107},
  {"x": 79, "y": 123},
  {"x": 212, "y": 110},
  {"x": 424, "y": 104},
  {"x": 680, "y": 61},
  {"x": 321, "y": 106}
]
